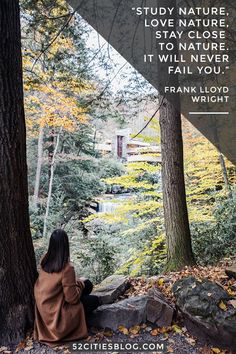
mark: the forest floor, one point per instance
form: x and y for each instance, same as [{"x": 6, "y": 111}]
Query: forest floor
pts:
[
  {"x": 176, "y": 338},
  {"x": 179, "y": 343}
]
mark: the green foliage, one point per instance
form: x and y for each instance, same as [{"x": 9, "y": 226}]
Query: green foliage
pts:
[
  {"x": 62, "y": 54},
  {"x": 203, "y": 175},
  {"x": 61, "y": 86},
  {"x": 76, "y": 184},
  {"x": 109, "y": 168},
  {"x": 141, "y": 177},
  {"x": 98, "y": 259},
  {"x": 130, "y": 240},
  {"x": 139, "y": 218},
  {"x": 214, "y": 240},
  {"x": 150, "y": 261}
]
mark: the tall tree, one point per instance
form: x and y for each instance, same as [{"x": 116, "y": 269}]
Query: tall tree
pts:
[
  {"x": 178, "y": 237},
  {"x": 39, "y": 166},
  {"x": 17, "y": 260}
]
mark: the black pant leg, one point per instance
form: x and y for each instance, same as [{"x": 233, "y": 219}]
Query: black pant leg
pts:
[
  {"x": 88, "y": 287},
  {"x": 90, "y": 302}
]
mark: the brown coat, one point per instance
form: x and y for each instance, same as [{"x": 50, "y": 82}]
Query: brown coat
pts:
[{"x": 59, "y": 314}]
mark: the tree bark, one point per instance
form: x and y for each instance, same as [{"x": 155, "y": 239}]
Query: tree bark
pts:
[
  {"x": 17, "y": 260},
  {"x": 39, "y": 166},
  {"x": 179, "y": 250}
]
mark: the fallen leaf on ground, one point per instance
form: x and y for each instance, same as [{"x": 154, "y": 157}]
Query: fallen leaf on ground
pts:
[
  {"x": 216, "y": 350},
  {"x": 206, "y": 350},
  {"x": 20, "y": 346},
  {"x": 165, "y": 330},
  {"x": 148, "y": 329},
  {"x": 231, "y": 292},
  {"x": 134, "y": 330},
  {"x": 154, "y": 332},
  {"x": 233, "y": 303},
  {"x": 177, "y": 329},
  {"x": 170, "y": 350},
  {"x": 190, "y": 341},
  {"x": 108, "y": 333},
  {"x": 123, "y": 329},
  {"x": 222, "y": 306}
]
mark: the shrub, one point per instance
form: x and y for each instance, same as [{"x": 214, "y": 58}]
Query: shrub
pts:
[
  {"x": 213, "y": 241},
  {"x": 97, "y": 259}
]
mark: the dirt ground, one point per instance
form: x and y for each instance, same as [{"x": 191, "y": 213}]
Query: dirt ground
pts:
[{"x": 177, "y": 341}]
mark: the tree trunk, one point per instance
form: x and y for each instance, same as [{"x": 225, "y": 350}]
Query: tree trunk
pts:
[
  {"x": 52, "y": 168},
  {"x": 17, "y": 260},
  {"x": 225, "y": 173},
  {"x": 179, "y": 250},
  {"x": 51, "y": 146},
  {"x": 39, "y": 165}
]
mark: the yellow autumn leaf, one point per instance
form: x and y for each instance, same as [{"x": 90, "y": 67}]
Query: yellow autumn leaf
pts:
[
  {"x": 108, "y": 333},
  {"x": 123, "y": 330},
  {"x": 134, "y": 330},
  {"x": 216, "y": 350},
  {"x": 222, "y": 306},
  {"x": 231, "y": 292},
  {"x": 164, "y": 330}
]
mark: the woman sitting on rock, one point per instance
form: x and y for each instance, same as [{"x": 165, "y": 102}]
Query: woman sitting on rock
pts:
[{"x": 62, "y": 301}]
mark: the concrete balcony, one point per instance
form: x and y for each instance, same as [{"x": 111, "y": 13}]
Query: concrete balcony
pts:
[{"x": 144, "y": 158}]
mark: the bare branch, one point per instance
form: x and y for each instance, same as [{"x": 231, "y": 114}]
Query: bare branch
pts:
[{"x": 149, "y": 121}]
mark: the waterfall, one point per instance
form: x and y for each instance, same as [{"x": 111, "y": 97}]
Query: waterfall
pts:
[{"x": 109, "y": 206}]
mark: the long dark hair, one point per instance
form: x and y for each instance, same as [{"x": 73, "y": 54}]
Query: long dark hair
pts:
[{"x": 58, "y": 253}]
